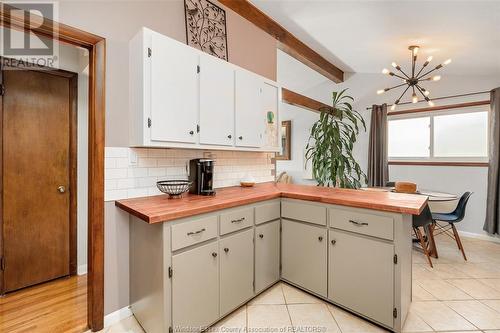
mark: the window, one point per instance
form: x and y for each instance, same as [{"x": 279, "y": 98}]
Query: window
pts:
[{"x": 454, "y": 136}]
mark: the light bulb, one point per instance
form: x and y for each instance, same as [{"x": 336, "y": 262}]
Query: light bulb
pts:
[
  {"x": 380, "y": 92},
  {"x": 447, "y": 62},
  {"x": 415, "y": 50},
  {"x": 426, "y": 92},
  {"x": 394, "y": 65},
  {"x": 385, "y": 71},
  {"x": 414, "y": 98},
  {"x": 429, "y": 59},
  {"x": 393, "y": 107},
  {"x": 436, "y": 78},
  {"x": 431, "y": 103}
]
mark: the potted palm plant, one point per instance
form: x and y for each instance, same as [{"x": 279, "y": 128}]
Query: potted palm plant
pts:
[{"x": 331, "y": 142}]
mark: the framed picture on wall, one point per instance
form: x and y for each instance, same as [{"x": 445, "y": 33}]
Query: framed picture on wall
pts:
[
  {"x": 206, "y": 27},
  {"x": 286, "y": 141}
]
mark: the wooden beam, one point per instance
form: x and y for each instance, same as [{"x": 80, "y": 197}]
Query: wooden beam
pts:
[
  {"x": 286, "y": 41},
  {"x": 302, "y": 101},
  {"x": 441, "y": 107}
]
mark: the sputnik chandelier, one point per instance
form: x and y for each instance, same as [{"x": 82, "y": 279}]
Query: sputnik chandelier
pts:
[{"x": 414, "y": 81}]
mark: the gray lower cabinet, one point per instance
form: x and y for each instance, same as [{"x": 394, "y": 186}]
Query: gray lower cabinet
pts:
[
  {"x": 236, "y": 270},
  {"x": 267, "y": 255},
  {"x": 361, "y": 275},
  {"x": 304, "y": 255},
  {"x": 195, "y": 288}
]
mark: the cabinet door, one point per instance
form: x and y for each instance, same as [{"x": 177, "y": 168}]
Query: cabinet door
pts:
[
  {"x": 303, "y": 256},
  {"x": 361, "y": 275},
  {"x": 250, "y": 117},
  {"x": 174, "y": 91},
  {"x": 236, "y": 270},
  {"x": 216, "y": 102},
  {"x": 195, "y": 287},
  {"x": 267, "y": 255}
]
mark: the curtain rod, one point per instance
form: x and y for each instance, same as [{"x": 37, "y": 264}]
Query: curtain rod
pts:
[{"x": 444, "y": 97}]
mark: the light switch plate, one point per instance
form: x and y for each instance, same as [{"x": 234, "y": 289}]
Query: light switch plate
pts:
[{"x": 132, "y": 157}]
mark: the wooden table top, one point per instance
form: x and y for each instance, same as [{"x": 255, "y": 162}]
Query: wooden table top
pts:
[{"x": 160, "y": 208}]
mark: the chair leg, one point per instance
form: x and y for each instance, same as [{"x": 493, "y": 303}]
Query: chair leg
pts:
[
  {"x": 458, "y": 240},
  {"x": 423, "y": 244}
]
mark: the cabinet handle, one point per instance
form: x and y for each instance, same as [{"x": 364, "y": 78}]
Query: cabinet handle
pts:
[
  {"x": 238, "y": 220},
  {"x": 320, "y": 238},
  {"x": 226, "y": 250},
  {"x": 191, "y": 233},
  {"x": 240, "y": 137},
  {"x": 191, "y": 132},
  {"x": 214, "y": 254},
  {"x": 229, "y": 136},
  {"x": 334, "y": 241},
  {"x": 358, "y": 223},
  {"x": 261, "y": 236}
]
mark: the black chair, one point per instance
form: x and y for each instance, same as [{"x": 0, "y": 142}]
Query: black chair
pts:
[
  {"x": 450, "y": 219},
  {"x": 424, "y": 220}
]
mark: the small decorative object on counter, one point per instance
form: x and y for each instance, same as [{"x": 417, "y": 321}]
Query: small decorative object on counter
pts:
[
  {"x": 174, "y": 188},
  {"x": 247, "y": 182},
  {"x": 405, "y": 187}
]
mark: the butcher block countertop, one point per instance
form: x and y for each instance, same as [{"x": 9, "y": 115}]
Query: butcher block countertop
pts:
[{"x": 162, "y": 209}]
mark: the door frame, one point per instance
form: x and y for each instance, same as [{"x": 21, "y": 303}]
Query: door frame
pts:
[
  {"x": 96, "y": 46},
  {"x": 72, "y": 167}
]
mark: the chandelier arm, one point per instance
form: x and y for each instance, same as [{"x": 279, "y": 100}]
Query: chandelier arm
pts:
[
  {"x": 421, "y": 76},
  {"x": 399, "y": 69},
  {"x": 393, "y": 74},
  {"x": 421, "y": 92},
  {"x": 404, "y": 92},
  {"x": 420, "y": 71},
  {"x": 413, "y": 61},
  {"x": 399, "y": 85}
]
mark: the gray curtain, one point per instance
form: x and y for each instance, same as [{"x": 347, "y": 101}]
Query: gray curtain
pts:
[
  {"x": 492, "y": 222},
  {"x": 378, "y": 168}
]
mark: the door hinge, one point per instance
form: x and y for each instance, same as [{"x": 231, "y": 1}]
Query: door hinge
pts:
[
  {"x": 198, "y": 128},
  {"x": 170, "y": 271},
  {"x": 2, "y": 264},
  {"x": 198, "y": 69},
  {"x": 150, "y": 52},
  {"x": 2, "y": 90},
  {"x": 149, "y": 122},
  {"x": 395, "y": 259},
  {"x": 395, "y": 313},
  {"x": 170, "y": 329}
]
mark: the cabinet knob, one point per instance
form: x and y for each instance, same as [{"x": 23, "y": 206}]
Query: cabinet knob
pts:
[
  {"x": 240, "y": 137},
  {"x": 261, "y": 236},
  {"x": 191, "y": 132},
  {"x": 229, "y": 136},
  {"x": 320, "y": 238},
  {"x": 333, "y": 241},
  {"x": 226, "y": 250},
  {"x": 214, "y": 254},
  {"x": 61, "y": 189}
]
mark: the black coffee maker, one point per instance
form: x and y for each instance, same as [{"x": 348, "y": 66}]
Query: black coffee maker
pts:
[{"x": 201, "y": 173}]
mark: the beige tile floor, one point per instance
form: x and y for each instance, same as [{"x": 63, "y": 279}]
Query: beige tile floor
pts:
[{"x": 454, "y": 296}]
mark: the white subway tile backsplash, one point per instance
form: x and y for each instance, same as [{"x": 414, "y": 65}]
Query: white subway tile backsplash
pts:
[{"x": 133, "y": 172}]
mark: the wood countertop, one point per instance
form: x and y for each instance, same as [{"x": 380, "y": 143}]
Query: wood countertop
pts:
[{"x": 160, "y": 208}]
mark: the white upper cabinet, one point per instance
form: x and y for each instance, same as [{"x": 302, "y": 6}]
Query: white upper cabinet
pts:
[
  {"x": 181, "y": 97},
  {"x": 216, "y": 102},
  {"x": 174, "y": 87},
  {"x": 250, "y": 115}
]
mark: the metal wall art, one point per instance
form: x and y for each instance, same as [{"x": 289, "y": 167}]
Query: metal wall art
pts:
[{"x": 206, "y": 27}]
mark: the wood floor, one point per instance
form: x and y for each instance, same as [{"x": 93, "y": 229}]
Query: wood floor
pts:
[{"x": 57, "y": 306}]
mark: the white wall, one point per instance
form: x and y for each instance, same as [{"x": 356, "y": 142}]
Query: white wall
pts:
[{"x": 363, "y": 88}]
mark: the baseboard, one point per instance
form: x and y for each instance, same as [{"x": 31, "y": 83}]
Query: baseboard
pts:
[
  {"x": 81, "y": 270},
  {"x": 116, "y": 316},
  {"x": 485, "y": 237}
]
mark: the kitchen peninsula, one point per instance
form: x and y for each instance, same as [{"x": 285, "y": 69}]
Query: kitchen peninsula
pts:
[{"x": 196, "y": 259}]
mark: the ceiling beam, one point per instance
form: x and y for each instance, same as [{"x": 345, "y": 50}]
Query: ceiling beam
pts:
[
  {"x": 286, "y": 41},
  {"x": 293, "y": 98}
]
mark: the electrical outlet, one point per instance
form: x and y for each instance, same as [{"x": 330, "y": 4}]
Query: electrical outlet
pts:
[{"x": 132, "y": 157}]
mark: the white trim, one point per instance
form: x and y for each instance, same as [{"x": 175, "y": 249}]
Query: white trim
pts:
[
  {"x": 81, "y": 269},
  {"x": 494, "y": 239},
  {"x": 116, "y": 316}
]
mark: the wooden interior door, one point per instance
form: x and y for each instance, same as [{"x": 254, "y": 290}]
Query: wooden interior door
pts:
[{"x": 39, "y": 177}]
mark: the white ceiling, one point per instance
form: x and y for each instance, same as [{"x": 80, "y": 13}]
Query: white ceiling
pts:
[{"x": 366, "y": 36}]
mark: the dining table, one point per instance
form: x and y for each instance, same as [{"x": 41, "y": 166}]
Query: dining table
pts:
[{"x": 433, "y": 197}]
